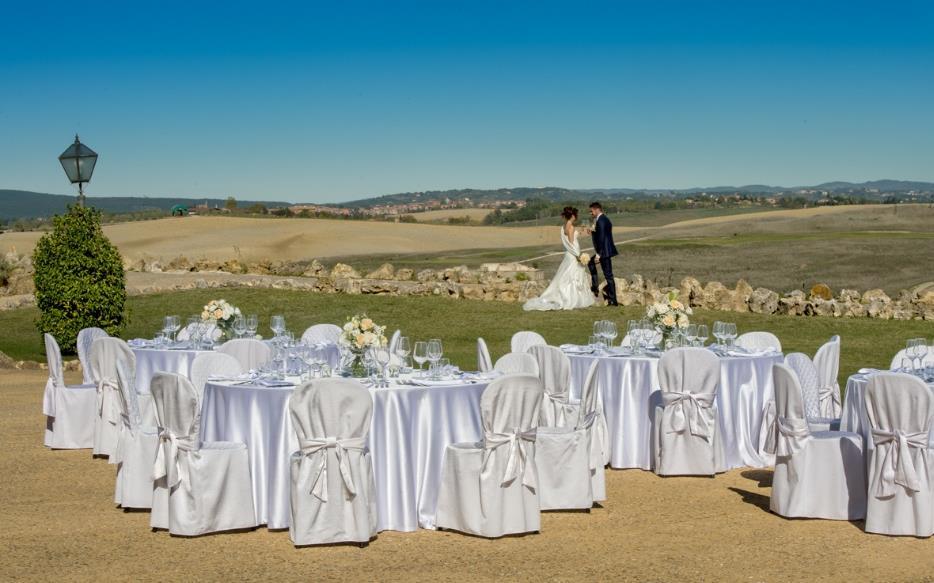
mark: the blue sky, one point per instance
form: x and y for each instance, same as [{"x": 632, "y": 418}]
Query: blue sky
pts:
[{"x": 332, "y": 101}]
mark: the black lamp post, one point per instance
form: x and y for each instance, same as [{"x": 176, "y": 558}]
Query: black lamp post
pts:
[{"x": 78, "y": 161}]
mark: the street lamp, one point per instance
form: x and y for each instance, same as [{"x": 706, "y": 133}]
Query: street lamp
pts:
[{"x": 78, "y": 161}]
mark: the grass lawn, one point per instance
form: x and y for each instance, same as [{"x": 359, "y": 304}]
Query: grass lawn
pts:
[{"x": 866, "y": 342}]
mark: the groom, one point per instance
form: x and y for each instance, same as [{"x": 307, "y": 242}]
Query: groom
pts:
[{"x": 604, "y": 250}]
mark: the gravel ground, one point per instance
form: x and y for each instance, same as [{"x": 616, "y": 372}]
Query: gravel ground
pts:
[{"x": 59, "y": 521}]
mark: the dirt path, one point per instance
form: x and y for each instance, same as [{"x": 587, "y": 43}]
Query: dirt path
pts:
[{"x": 59, "y": 522}]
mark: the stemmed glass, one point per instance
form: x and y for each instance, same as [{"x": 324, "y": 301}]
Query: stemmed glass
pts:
[
  {"x": 420, "y": 354},
  {"x": 690, "y": 334},
  {"x": 404, "y": 349},
  {"x": 435, "y": 352},
  {"x": 610, "y": 332},
  {"x": 171, "y": 326},
  {"x": 382, "y": 356},
  {"x": 277, "y": 324},
  {"x": 916, "y": 349},
  {"x": 718, "y": 332},
  {"x": 731, "y": 333},
  {"x": 702, "y": 334},
  {"x": 252, "y": 323},
  {"x": 239, "y": 326},
  {"x": 598, "y": 332}
]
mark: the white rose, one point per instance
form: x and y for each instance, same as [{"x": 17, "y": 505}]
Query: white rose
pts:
[
  {"x": 348, "y": 327},
  {"x": 668, "y": 320},
  {"x": 682, "y": 321},
  {"x": 663, "y": 309}
]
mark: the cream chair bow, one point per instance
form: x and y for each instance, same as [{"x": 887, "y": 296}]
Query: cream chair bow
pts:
[
  {"x": 692, "y": 411},
  {"x": 518, "y": 463},
  {"x": 598, "y": 454},
  {"x": 176, "y": 471},
  {"x": 312, "y": 447},
  {"x": 786, "y": 436},
  {"x": 898, "y": 467},
  {"x": 111, "y": 415},
  {"x": 828, "y": 399}
]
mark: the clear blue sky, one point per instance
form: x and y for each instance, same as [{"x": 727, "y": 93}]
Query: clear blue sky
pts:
[{"x": 330, "y": 101}]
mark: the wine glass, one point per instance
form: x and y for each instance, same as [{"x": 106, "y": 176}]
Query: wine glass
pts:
[
  {"x": 382, "y": 356},
  {"x": 435, "y": 351},
  {"x": 702, "y": 334},
  {"x": 167, "y": 326},
  {"x": 611, "y": 332},
  {"x": 690, "y": 334},
  {"x": 729, "y": 332},
  {"x": 718, "y": 332},
  {"x": 404, "y": 349},
  {"x": 420, "y": 354},
  {"x": 239, "y": 326},
  {"x": 176, "y": 323},
  {"x": 252, "y": 323},
  {"x": 277, "y": 324}
]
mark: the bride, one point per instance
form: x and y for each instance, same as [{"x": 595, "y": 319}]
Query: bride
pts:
[{"x": 570, "y": 287}]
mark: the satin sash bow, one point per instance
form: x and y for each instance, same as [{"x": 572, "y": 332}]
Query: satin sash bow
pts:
[
  {"x": 107, "y": 413},
  {"x": 786, "y": 436},
  {"x": 690, "y": 411},
  {"x": 595, "y": 425},
  {"x": 828, "y": 399},
  {"x": 48, "y": 398},
  {"x": 519, "y": 463},
  {"x": 898, "y": 467},
  {"x": 312, "y": 447},
  {"x": 175, "y": 469}
]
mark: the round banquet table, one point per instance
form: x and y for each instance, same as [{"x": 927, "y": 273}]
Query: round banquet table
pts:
[
  {"x": 853, "y": 416},
  {"x": 410, "y": 429},
  {"x": 628, "y": 388},
  {"x": 149, "y": 361}
]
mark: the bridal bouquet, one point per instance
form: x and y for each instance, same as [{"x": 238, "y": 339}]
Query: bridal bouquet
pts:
[
  {"x": 221, "y": 314},
  {"x": 669, "y": 313},
  {"x": 360, "y": 333},
  {"x": 584, "y": 258}
]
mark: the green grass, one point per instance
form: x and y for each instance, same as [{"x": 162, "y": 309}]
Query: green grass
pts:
[{"x": 458, "y": 323}]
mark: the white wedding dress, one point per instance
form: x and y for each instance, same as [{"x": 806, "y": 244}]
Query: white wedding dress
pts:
[{"x": 570, "y": 288}]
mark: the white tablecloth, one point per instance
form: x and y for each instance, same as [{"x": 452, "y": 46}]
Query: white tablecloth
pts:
[
  {"x": 629, "y": 390},
  {"x": 853, "y": 417},
  {"x": 152, "y": 360},
  {"x": 411, "y": 427}
]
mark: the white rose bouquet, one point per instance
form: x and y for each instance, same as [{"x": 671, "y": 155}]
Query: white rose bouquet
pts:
[
  {"x": 221, "y": 313},
  {"x": 669, "y": 314},
  {"x": 360, "y": 333},
  {"x": 584, "y": 258}
]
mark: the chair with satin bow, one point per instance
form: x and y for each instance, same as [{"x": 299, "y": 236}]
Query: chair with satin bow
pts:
[
  {"x": 901, "y": 488},
  {"x": 249, "y": 352},
  {"x": 484, "y": 360},
  {"x": 809, "y": 381},
  {"x": 571, "y": 460},
  {"x": 197, "y": 487},
  {"x": 105, "y": 353},
  {"x": 827, "y": 362},
  {"x": 516, "y": 363},
  {"x": 490, "y": 488},
  {"x": 70, "y": 410},
  {"x": 136, "y": 446},
  {"x": 686, "y": 440},
  {"x": 522, "y": 341},
  {"x": 86, "y": 338},
  {"x": 554, "y": 370},
  {"x": 817, "y": 474},
  {"x": 333, "y": 489},
  {"x": 208, "y": 364},
  {"x": 759, "y": 341},
  {"x": 322, "y": 333}
]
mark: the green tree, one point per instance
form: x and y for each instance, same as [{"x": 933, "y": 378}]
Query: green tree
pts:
[
  {"x": 231, "y": 203},
  {"x": 79, "y": 278}
]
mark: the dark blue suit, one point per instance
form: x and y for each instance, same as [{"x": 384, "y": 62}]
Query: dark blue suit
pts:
[{"x": 602, "y": 237}]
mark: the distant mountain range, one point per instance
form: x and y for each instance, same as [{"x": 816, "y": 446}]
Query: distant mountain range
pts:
[{"x": 16, "y": 204}]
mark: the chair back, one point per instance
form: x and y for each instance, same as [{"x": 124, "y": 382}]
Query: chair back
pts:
[
  {"x": 106, "y": 352},
  {"x": 759, "y": 341},
  {"x": 331, "y": 408},
  {"x": 510, "y": 403},
  {"x": 86, "y": 338},
  {"x": 827, "y": 361},
  {"x": 249, "y": 352},
  {"x": 517, "y": 363},
  {"x": 53, "y": 356},
  {"x": 689, "y": 370},
  {"x": 898, "y": 401},
  {"x": 208, "y": 364},
  {"x": 554, "y": 370},
  {"x": 807, "y": 380},
  {"x": 176, "y": 404},
  {"x": 589, "y": 396},
  {"x": 322, "y": 333},
  {"x": 788, "y": 395},
  {"x": 127, "y": 398},
  {"x": 484, "y": 360},
  {"x": 522, "y": 341}
]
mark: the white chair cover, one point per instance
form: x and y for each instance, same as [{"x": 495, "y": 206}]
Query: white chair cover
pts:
[
  {"x": 827, "y": 362},
  {"x": 69, "y": 410},
  {"x": 819, "y": 474},
  {"x": 516, "y": 363},
  {"x": 901, "y": 487},
  {"x": 86, "y": 338},
  {"x": 490, "y": 488},
  {"x": 759, "y": 341},
  {"x": 809, "y": 381},
  {"x": 249, "y": 352},
  {"x": 484, "y": 360},
  {"x": 208, "y": 364},
  {"x": 554, "y": 370},
  {"x": 903, "y": 355},
  {"x": 322, "y": 333},
  {"x": 106, "y": 352},
  {"x": 333, "y": 487},
  {"x": 197, "y": 487},
  {"x": 686, "y": 439},
  {"x": 136, "y": 446},
  {"x": 522, "y": 341}
]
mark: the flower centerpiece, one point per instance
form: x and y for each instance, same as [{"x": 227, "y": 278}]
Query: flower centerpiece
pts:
[
  {"x": 584, "y": 258},
  {"x": 360, "y": 333},
  {"x": 668, "y": 315},
  {"x": 222, "y": 314}
]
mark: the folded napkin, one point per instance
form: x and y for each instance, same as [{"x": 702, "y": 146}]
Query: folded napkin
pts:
[
  {"x": 437, "y": 383},
  {"x": 867, "y": 371},
  {"x": 139, "y": 343},
  {"x": 744, "y": 352},
  {"x": 576, "y": 349},
  {"x": 274, "y": 383}
]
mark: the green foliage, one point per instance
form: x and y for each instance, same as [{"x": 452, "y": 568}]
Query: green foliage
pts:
[
  {"x": 6, "y": 270},
  {"x": 79, "y": 278}
]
